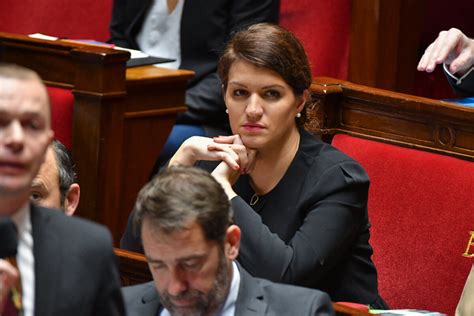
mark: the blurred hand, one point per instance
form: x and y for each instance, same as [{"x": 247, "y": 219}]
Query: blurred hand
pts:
[
  {"x": 451, "y": 47},
  {"x": 8, "y": 278}
]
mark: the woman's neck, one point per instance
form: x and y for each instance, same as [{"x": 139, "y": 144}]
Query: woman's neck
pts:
[{"x": 273, "y": 162}]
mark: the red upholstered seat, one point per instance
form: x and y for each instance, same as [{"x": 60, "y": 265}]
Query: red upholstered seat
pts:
[
  {"x": 62, "y": 102},
  {"x": 421, "y": 207}
]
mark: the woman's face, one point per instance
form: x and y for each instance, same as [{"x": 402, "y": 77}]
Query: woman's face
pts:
[{"x": 262, "y": 106}]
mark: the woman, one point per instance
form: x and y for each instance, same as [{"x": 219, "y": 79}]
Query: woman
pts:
[{"x": 300, "y": 203}]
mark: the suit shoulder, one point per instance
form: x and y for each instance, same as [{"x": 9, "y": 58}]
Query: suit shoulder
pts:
[
  {"x": 141, "y": 299},
  {"x": 135, "y": 293},
  {"x": 73, "y": 227},
  {"x": 285, "y": 297}
]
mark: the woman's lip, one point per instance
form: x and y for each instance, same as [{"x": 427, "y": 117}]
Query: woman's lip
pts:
[{"x": 253, "y": 127}]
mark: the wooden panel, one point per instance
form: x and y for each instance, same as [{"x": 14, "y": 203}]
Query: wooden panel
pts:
[
  {"x": 391, "y": 117},
  {"x": 133, "y": 267},
  {"x": 385, "y": 38},
  {"x": 121, "y": 117}
]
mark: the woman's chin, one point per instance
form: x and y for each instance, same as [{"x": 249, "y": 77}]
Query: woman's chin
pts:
[{"x": 251, "y": 142}]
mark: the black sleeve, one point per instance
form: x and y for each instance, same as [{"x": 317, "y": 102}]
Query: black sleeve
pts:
[
  {"x": 466, "y": 87},
  {"x": 334, "y": 215},
  {"x": 130, "y": 239},
  {"x": 127, "y": 16}
]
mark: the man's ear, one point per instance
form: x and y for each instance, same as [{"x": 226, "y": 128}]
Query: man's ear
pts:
[
  {"x": 72, "y": 199},
  {"x": 232, "y": 242}
]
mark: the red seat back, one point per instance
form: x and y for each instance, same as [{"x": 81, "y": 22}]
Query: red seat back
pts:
[
  {"x": 324, "y": 29},
  {"x": 421, "y": 207},
  {"x": 62, "y": 103},
  {"x": 85, "y": 19}
]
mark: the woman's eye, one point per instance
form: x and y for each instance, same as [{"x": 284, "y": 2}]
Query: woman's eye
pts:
[
  {"x": 240, "y": 93},
  {"x": 272, "y": 94}
]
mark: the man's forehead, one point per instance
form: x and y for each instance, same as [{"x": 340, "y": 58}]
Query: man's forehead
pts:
[{"x": 23, "y": 95}]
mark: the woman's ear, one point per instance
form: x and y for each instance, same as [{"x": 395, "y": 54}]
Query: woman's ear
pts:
[{"x": 304, "y": 97}]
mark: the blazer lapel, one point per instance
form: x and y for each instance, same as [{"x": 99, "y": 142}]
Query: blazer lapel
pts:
[
  {"x": 150, "y": 302},
  {"x": 250, "y": 300},
  {"x": 48, "y": 254}
]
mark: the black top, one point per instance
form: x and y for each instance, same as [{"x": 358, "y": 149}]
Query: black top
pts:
[{"x": 312, "y": 229}]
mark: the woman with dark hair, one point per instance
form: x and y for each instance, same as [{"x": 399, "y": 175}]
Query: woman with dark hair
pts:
[{"x": 301, "y": 204}]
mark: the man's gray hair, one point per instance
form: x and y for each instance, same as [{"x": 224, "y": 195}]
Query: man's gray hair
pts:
[
  {"x": 176, "y": 197},
  {"x": 65, "y": 167}
]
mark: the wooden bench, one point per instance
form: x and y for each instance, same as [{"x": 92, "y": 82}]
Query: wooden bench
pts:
[
  {"x": 121, "y": 117},
  {"x": 418, "y": 153}
]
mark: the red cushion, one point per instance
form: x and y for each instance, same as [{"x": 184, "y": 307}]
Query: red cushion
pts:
[
  {"x": 324, "y": 29},
  {"x": 62, "y": 103},
  {"x": 85, "y": 19},
  {"x": 421, "y": 206}
]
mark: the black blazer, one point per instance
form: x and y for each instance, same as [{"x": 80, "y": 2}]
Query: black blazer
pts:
[
  {"x": 256, "y": 297},
  {"x": 75, "y": 267},
  {"x": 206, "y": 26},
  {"x": 312, "y": 229}
]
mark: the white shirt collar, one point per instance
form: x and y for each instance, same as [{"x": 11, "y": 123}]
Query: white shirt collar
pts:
[
  {"x": 22, "y": 219},
  {"x": 229, "y": 306}
]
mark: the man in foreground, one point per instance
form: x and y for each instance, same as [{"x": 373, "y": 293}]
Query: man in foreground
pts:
[
  {"x": 191, "y": 244},
  {"x": 66, "y": 264}
]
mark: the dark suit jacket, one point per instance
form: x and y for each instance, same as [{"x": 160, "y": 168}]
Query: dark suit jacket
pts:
[
  {"x": 206, "y": 25},
  {"x": 75, "y": 267},
  {"x": 466, "y": 88},
  {"x": 256, "y": 297}
]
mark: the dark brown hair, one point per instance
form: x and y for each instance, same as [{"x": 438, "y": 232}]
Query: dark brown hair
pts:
[
  {"x": 180, "y": 195},
  {"x": 273, "y": 47}
]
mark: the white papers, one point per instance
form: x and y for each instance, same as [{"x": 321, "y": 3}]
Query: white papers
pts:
[
  {"x": 133, "y": 52},
  {"x": 42, "y": 36}
]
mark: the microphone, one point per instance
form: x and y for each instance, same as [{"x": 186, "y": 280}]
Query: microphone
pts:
[{"x": 8, "y": 238}]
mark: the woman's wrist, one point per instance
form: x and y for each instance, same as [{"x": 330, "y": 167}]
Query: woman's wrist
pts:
[{"x": 184, "y": 156}]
